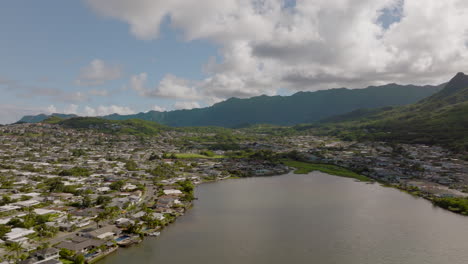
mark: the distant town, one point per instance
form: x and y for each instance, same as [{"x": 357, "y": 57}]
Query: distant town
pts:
[{"x": 75, "y": 196}]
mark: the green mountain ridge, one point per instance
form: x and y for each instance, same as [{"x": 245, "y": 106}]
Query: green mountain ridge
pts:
[
  {"x": 302, "y": 107},
  {"x": 42, "y": 117},
  {"x": 439, "y": 119},
  {"x": 125, "y": 127}
]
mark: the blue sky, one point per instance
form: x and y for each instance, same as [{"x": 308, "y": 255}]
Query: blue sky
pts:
[
  {"x": 46, "y": 43},
  {"x": 96, "y": 57}
]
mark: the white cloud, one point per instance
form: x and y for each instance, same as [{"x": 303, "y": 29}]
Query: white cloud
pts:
[
  {"x": 169, "y": 87},
  {"x": 159, "y": 108},
  {"x": 97, "y": 73},
  {"x": 51, "y": 109},
  {"x": 100, "y": 110},
  {"x": 186, "y": 105},
  {"x": 71, "y": 109},
  {"x": 138, "y": 82},
  {"x": 108, "y": 110},
  {"x": 266, "y": 45},
  {"x": 172, "y": 87}
]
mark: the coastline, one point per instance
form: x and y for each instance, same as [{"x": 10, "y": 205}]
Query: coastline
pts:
[
  {"x": 447, "y": 203},
  {"x": 325, "y": 168},
  {"x": 186, "y": 207}
]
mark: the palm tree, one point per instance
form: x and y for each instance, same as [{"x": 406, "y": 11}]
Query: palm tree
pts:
[
  {"x": 69, "y": 218},
  {"x": 99, "y": 218},
  {"x": 15, "y": 248}
]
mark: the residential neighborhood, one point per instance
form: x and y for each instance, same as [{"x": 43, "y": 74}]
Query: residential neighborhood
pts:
[{"x": 75, "y": 196}]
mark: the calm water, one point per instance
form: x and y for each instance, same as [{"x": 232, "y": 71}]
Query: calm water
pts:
[{"x": 315, "y": 218}]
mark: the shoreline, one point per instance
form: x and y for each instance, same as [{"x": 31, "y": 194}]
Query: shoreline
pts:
[
  {"x": 363, "y": 179},
  {"x": 306, "y": 167},
  {"x": 188, "y": 206}
]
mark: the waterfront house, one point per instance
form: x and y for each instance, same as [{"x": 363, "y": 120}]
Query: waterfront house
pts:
[
  {"x": 104, "y": 233},
  {"x": 80, "y": 244}
]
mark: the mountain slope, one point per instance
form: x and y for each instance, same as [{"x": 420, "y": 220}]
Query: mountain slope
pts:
[
  {"x": 127, "y": 127},
  {"x": 42, "y": 117},
  {"x": 302, "y": 107},
  {"x": 439, "y": 119}
]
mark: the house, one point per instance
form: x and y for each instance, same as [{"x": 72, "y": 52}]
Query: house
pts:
[
  {"x": 27, "y": 203},
  {"x": 172, "y": 192},
  {"x": 105, "y": 232},
  {"x": 158, "y": 216},
  {"x": 8, "y": 208},
  {"x": 165, "y": 202},
  {"x": 103, "y": 189},
  {"x": 138, "y": 215},
  {"x": 18, "y": 234},
  {"x": 129, "y": 187},
  {"x": 124, "y": 222},
  {"x": 80, "y": 244},
  {"x": 47, "y": 254}
]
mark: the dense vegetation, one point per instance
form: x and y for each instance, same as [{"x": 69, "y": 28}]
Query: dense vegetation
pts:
[
  {"x": 440, "y": 119},
  {"x": 305, "y": 167},
  {"x": 131, "y": 127},
  {"x": 457, "y": 205}
]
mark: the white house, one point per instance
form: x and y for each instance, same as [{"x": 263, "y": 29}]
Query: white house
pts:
[{"x": 18, "y": 234}]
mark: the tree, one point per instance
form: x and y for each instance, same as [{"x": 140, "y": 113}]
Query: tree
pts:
[
  {"x": 6, "y": 200},
  {"x": 117, "y": 186},
  {"x": 4, "y": 229},
  {"x": 99, "y": 218},
  {"x": 134, "y": 228},
  {"x": 75, "y": 171},
  {"x": 55, "y": 185},
  {"x": 86, "y": 203},
  {"x": 154, "y": 156},
  {"x": 103, "y": 200},
  {"x": 15, "y": 248},
  {"x": 47, "y": 231},
  {"x": 78, "y": 152},
  {"x": 79, "y": 259},
  {"x": 187, "y": 188},
  {"x": 131, "y": 165}
]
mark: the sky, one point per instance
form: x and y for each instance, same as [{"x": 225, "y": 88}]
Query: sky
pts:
[{"x": 98, "y": 57}]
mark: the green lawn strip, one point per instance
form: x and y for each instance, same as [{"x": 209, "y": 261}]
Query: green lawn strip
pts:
[
  {"x": 196, "y": 156},
  {"x": 305, "y": 167}
]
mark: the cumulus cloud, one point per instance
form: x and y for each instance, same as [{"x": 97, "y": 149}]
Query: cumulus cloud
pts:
[
  {"x": 159, "y": 108},
  {"x": 305, "y": 44},
  {"x": 51, "y": 109},
  {"x": 97, "y": 72},
  {"x": 71, "y": 109},
  {"x": 107, "y": 110},
  {"x": 169, "y": 87},
  {"x": 186, "y": 105}
]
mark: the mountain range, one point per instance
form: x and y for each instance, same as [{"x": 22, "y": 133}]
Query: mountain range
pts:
[
  {"x": 302, "y": 107},
  {"x": 439, "y": 119}
]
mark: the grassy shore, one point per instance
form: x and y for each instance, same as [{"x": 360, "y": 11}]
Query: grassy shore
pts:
[
  {"x": 305, "y": 167},
  {"x": 196, "y": 156}
]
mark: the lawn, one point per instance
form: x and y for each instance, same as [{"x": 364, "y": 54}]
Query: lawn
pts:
[
  {"x": 196, "y": 156},
  {"x": 305, "y": 167}
]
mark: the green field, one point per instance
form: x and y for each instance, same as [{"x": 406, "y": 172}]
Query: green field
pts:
[
  {"x": 196, "y": 156},
  {"x": 305, "y": 167}
]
